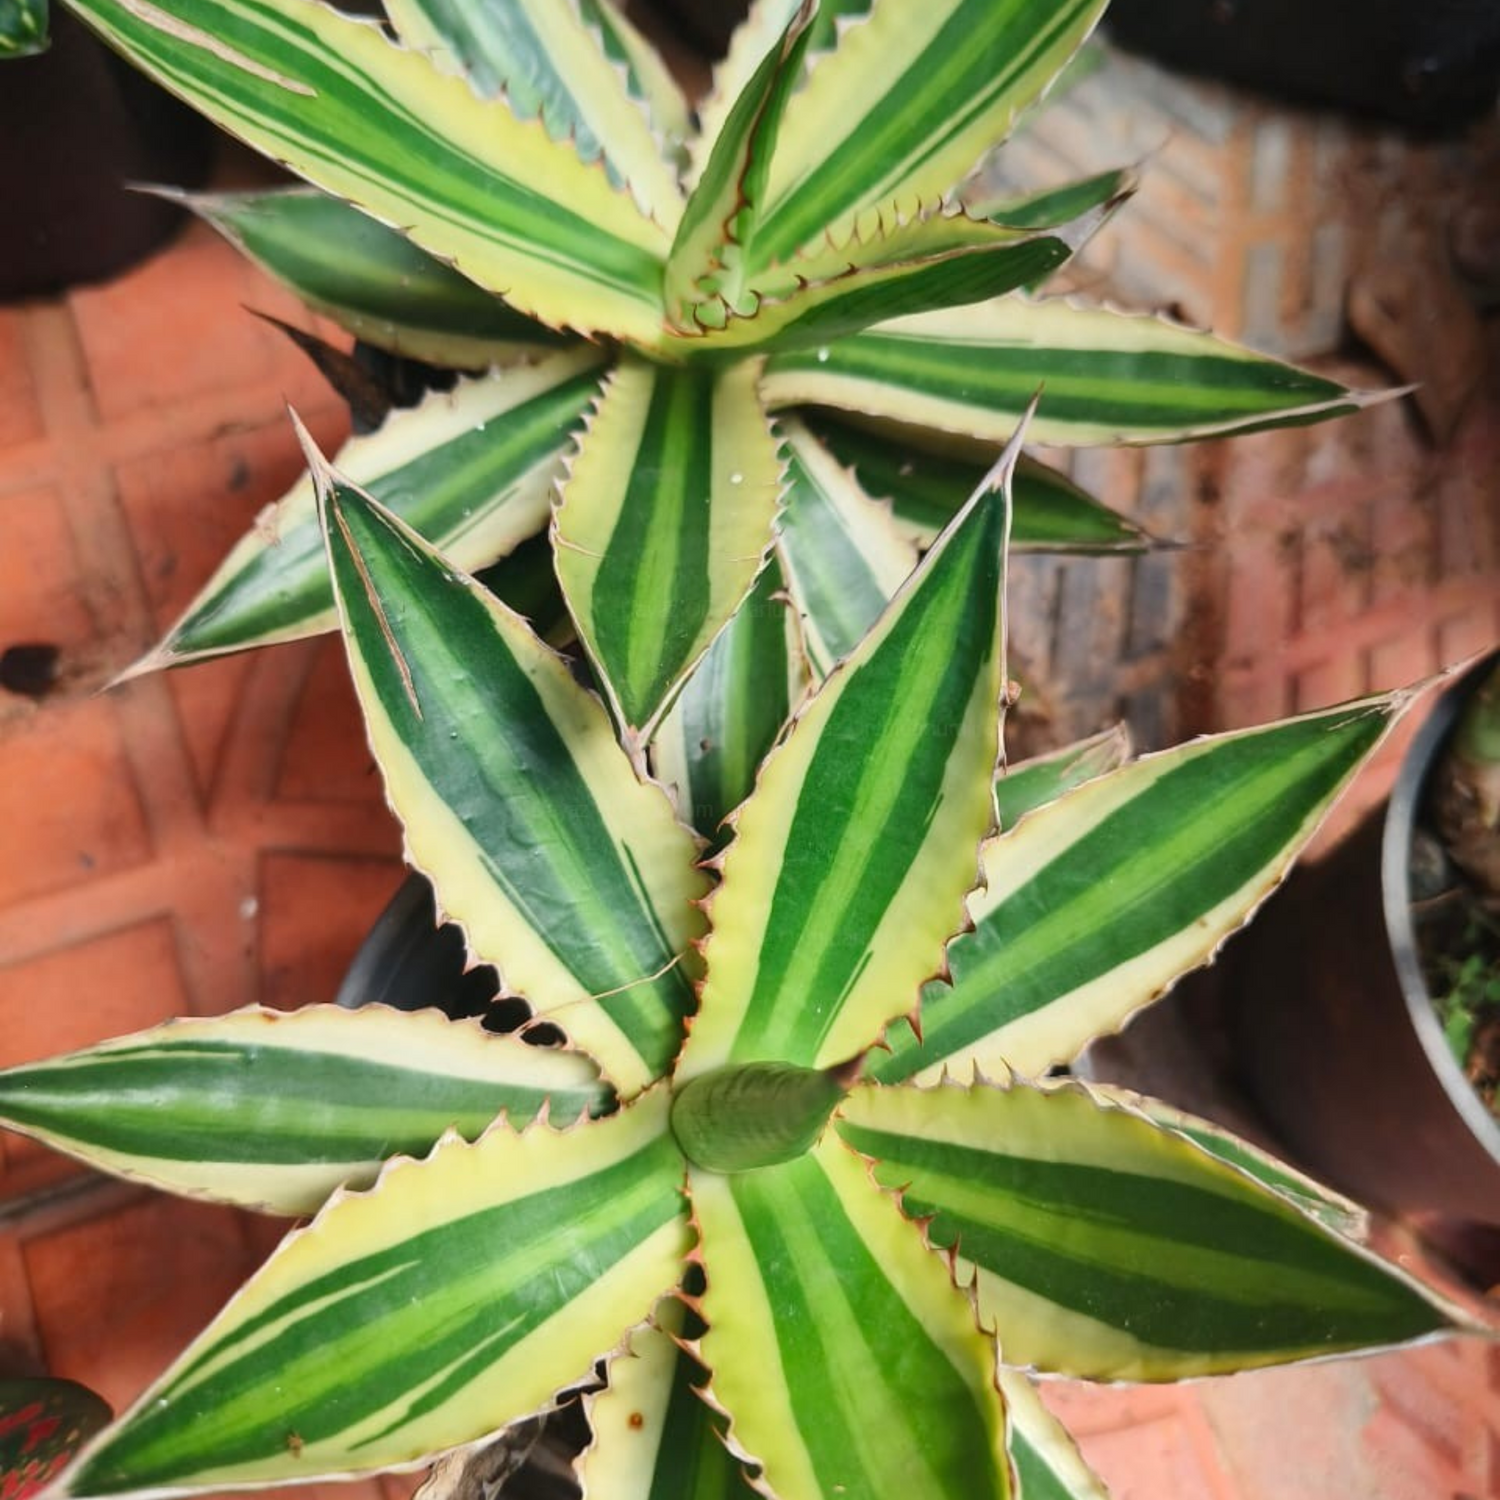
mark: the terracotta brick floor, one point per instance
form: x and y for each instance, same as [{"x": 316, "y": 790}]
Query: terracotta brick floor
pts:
[{"x": 189, "y": 844}]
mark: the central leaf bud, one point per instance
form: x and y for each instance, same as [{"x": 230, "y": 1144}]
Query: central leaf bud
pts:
[{"x": 753, "y": 1114}]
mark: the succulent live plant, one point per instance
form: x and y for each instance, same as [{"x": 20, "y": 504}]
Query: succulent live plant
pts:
[
  {"x": 520, "y": 186},
  {"x": 797, "y": 1165},
  {"x": 792, "y": 1225}
]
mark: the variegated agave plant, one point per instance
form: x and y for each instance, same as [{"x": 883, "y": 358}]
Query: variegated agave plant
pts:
[
  {"x": 651, "y": 294},
  {"x": 792, "y": 1225}
]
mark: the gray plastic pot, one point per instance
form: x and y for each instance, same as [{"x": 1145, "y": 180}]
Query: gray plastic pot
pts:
[{"x": 1337, "y": 1037}]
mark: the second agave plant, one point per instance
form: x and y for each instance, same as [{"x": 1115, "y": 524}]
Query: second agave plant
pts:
[{"x": 699, "y": 329}]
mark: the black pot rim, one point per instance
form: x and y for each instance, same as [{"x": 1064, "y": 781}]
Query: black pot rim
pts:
[{"x": 1400, "y": 823}]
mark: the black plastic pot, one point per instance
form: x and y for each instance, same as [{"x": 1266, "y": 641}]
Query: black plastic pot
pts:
[
  {"x": 1337, "y": 1035},
  {"x": 78, "y": 125},
  {"x": 1432, "y": 64},
  {"x": 409, "y": 962}
]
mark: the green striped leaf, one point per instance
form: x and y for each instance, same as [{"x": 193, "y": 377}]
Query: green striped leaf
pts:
[
  {"x": 1331, "y": 1209},
  {"x": 926, "y": 482},
  {"x": 1095, "y": 905},
  {"x": 655, "y": 1437},
  {"x": 941, "y": 261},
  {"x": 566, "y": 872},
  {"x": 472, "y": 469},
  {"x": 369, "y": 279},
  {"x": 353, "y": 113},
  {"x": 844, "y": 557},
  {"x": 851, "y": 862},
  {"x": 664, "y": 523},
  {"x": 547, "y": 64},
  {"x": 646, "y": 76},
  {"x": 1048, "y": 207},
  {"x": 914, "y": 96},
  {"x": 1105, "y": 1247},
  {"x": 275, "y": 1111},
  {"x": 706, "y": 265},
  {"x": 836, "y": 1340},
  {"x": 732, "y": 709},
  {"x": 1031, "y": 784},
  {"x": 23, "y": 27},
  {"x": 1048, "y": 1463},
  {"x": 1107, "y": 376},
  {"x": 461, "y": 1294}
]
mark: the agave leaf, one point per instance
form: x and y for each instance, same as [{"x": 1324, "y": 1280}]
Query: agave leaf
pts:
[
  {"x": 849, "y": 866},
  {"x": 844, "y": 557},
  {"x": 706, "y": 264},
  {"x": 875, "y": 132},
  {"x": 1333, "y": 1210},
  {"x": 1099, "y": 902},
  {"x": 23, "y": 28},
  {"x": 655, "y": 1437},
  {"x": 646, "y": 75},
  {"x": 275, "y": 1111},
  {"x": 473, "y": 469},
  {"x": 926, "y": 482},
  {"x": 1050, "y": 206},
  {"x": 548, "y": 65},
  {"x": 732, "y": 709},
  {"x": 43, "y": 1423},
  {"x": 1109, "y": 377},
  {"x": 1032, "y": 784},
  {"x": 1103, "y": 1246},
  {"x": 371, "y": 280},
  {"x": 564, "y": 871},
  {"x": 363, "y": 119},
  {"x": 837, "y": 1341},
  {"x": 664, "y": 523},
  {"x": 941, "y": 261},
  {"x": 463, "y": 1292},
  {"x": 1048, "y": 1463}
]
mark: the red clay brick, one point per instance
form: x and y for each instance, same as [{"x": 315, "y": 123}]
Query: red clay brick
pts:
[
  {"x": 68, "y": 802},
  {"x": 327, "y": 757},
  {"x": 118, "y": 1297},
  {"x": 40, "y": 599},
  {"x": 314, "y": 913},
  {"x": 20, "y": 417}
]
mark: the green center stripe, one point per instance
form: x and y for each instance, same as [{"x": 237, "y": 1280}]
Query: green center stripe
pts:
[
  {"x": 858, "y": 828},
  {"x": 652, "y": 592},
  {"x": 1125, "y": 388},
  {"x": 1126, "y": 887},
  {"x": 436, "y": 494},
  {"x": 424, "y": 1315},
  {"x": 1176, "y": 1266},
  {"x": 136, "y": 1101},
  {"x": 956, "y": 81},
  {"x": 856, "y": 1360},
  {"x": 836, "y": 587},
  {"x": 518, "y": 789}
]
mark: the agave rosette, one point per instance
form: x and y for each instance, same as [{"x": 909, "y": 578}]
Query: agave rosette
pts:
[
  {"x": 686, "y": 325},
  {"x": 798, "y": 1234}
]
